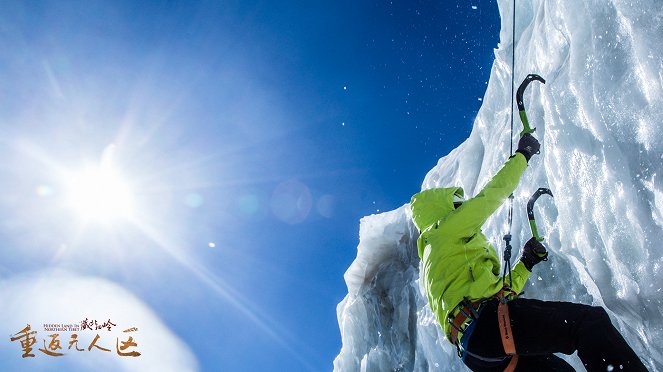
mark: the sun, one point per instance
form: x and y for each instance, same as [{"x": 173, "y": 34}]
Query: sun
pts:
[{"x": 99, "y": 194}]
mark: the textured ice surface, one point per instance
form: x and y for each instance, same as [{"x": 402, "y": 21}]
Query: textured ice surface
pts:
[{"x": 598, "y": 118}]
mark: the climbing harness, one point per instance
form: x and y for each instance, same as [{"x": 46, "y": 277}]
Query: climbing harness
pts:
[
  {"x": 463, "y": 319},
  {"x": 465, "y": 314}
]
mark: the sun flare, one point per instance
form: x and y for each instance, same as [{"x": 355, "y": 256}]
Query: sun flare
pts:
[{"x": 99, "y": 194}]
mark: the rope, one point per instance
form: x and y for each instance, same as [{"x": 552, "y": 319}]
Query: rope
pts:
[
  {"x": 507, "y": 237},
  {"x": 513, "y": 68}
]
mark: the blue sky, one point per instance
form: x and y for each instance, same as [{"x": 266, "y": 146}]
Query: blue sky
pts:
[{"x": 254, "y": 135}]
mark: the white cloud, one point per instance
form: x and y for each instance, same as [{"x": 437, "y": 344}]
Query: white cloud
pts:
[{"x": 60, "y": 297}]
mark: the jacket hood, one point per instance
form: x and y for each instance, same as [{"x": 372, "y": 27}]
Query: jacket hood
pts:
[{"x": 430, "y": 206}]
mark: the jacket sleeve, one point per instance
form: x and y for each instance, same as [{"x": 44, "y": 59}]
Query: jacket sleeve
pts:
[
  {"x": 519, "y": 276},
  {"x": 474, "y": 212}
]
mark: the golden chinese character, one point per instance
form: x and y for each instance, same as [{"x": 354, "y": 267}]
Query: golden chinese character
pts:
[
  {"x": 26, "y": 340},
  {"x": 125, "y": 345},
  {"x": 74, "y": 341},
  {"x": 52, "y": 346},
  {"x": 94, "y": 344}
]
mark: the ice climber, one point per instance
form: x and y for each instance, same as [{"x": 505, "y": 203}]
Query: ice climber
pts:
[{"x": 493, "y": 328}]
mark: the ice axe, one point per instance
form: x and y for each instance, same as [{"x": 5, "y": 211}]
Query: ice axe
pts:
[
  {"x": 530, "y": 211},
  {"x": 521, "y": 105}
]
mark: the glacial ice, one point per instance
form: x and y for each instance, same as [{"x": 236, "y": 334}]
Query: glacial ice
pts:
[{"x": 598, "y": 118}]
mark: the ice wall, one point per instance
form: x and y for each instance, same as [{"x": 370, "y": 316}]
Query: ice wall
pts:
[{"x": 599, "y": 118}]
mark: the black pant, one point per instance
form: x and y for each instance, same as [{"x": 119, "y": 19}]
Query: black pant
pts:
[{"x": 541, "y": 328}]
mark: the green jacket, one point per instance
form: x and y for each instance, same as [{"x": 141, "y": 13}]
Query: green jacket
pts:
[{"x": 458, "y": 260}]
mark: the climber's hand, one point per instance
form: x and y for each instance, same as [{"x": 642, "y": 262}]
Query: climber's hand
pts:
[
  {"x": 528, "y": 146},
  {"x": 533, "y": 252}
]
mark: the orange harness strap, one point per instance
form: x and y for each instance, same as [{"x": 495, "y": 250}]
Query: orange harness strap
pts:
[
  {"x": 466, "y": 308},
  {"x": 505, "y": 328}
]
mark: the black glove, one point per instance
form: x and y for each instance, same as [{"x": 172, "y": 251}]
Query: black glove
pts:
[
  {"x": 528, "y": 146},
  {"x": 533, "y": 252}
]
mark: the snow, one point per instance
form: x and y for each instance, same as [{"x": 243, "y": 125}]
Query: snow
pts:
[{"x": 598, "y": 118}]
